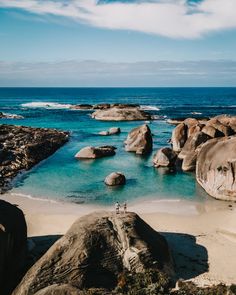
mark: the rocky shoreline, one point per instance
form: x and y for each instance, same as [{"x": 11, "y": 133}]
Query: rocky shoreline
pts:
[{"x": 21, "y": 148}]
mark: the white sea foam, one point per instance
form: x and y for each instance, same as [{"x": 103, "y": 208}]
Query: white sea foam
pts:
[
  {"x": 196, "y": 113},
  {"x": 149, "y": 108},
  {"x": 46, "y": 105}
]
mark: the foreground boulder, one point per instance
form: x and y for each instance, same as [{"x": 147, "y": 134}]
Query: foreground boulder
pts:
[
  {"x": 23, "y": 147},
  {"x": 91, "y": 152},
  {"x": 13, "y": 246},
  {"x": 216, "y": 168},
  {"x": 121, "y": 114},
  {"x": 95, "y": 251},
  {"x": 164, "y": 157},
  {"x": 139, "y": 140},
  {"x": 115, "y": 178},
  {"x": 179, "y": 137}
]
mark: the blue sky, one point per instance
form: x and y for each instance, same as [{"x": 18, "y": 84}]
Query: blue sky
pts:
[{"x": 83, "y": 43}]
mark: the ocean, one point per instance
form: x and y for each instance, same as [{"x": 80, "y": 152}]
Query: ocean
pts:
[{"x": 62, "y": 177}]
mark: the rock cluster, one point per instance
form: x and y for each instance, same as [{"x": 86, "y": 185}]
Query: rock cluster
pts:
[
  {"x": 23, "y": 147},
  {"x": 13, "y": 246},
  {"x": 94, "y": 252},
  {"x": 91, "y": 152},
  {"x": 210, "y": 145},
  {"x": 139, "y": 140},
  {"x": 10, "y": 116}
]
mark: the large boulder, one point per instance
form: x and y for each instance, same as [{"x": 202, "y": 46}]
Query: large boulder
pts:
[
  {"x": 139, "y": 140},
  {"x": 95, "y": 251},
  {"x": 91, "y": 152},
  {"x": 179, "y": 137},
  {"x": 13, "y": 246},
  {"x": 115, "y": 178},
  {"x": 216, "y": 168},
  {"x": 164, "y": 157},
  {"x": 190, "y": 150},
  {"x": 121, "y": 114},
  {"x": 21, "y": 148}
]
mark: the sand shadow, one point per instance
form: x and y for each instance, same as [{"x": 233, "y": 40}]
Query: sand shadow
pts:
[{"x": 190, "y": 258}]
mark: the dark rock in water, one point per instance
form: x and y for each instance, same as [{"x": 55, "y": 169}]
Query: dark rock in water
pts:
[
  {"x": 164, "y": 157},
  {"x": 123, "y": 106},
  {"x": 23, "y": 147},
  {"x": 10, "y": 116},
  {"x": 115, "y": 178},
  {"x": 216, "y": 168},
  {"x": 139, "y": 140},
  {"x": 91, "y": 152},
  {"x": 101, "y": 106},
  {"x": 95, "y": 251},
  {"x": 81, "y": 107},
  {"x": 13, "y": 246},
  {"x": 121, "y": 114}
]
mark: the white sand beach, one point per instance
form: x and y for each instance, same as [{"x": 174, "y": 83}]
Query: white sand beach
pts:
[{"x": 202, "y": 236}]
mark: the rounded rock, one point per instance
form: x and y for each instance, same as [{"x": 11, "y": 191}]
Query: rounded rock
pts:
[{"x": 115, "y": 178}]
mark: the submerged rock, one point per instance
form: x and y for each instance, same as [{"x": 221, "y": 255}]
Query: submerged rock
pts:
[
  {"x": 216, "y": 168},
  {"x": 13, "y": 246},
  {"x": 95, "y": 251},
  {"x": 115, "y": 178},
  {"x": 164, "y": 157},
  {"x": 139, "y": 140},
  {"x": 111, "y": 131},
  {"x": 121, "y": 114},
  {"x": 91, "y": 152},
  {"x": 10, "y": 116},
  {"x": 23, "y": 147},
  {"x": 82, "y": 107}
]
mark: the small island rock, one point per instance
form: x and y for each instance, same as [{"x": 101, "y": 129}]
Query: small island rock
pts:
[
  {"x": 91, "y": 152},
  {"x": 115, "y": 178}
]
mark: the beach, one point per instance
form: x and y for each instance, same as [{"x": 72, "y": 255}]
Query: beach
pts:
[{"x": 202, "y": 236}]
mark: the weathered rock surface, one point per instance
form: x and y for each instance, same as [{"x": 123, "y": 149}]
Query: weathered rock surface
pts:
[
  {"x": 111, "y": 131},
  {"x": 81, "y": 107},
  {"x": 91, "y": 152},
  {"x": 23, "y": 147},
  {"x": 179, "y": 137},
  {"x": 95, "y": 250},
  {"x": 121, "y": 114},
  {"x": 139, "y": 140},
  {"x": 164, "y": 157},
  {"x": 57, "y": 289},
  {"x": 216, "y": 168},
  {"x": 13, "y": 246},
  {"x": 115, "y": 178}
]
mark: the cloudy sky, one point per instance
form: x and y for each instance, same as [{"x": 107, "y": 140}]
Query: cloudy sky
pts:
[{"x": 117, "y": 43}]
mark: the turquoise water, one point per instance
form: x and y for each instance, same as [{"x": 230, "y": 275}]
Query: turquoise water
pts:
[{"x": 63, "y": 177}]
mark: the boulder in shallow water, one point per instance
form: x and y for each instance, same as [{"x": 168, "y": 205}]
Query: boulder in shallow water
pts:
[
  {"x": 111, "y": 131},
  {"x": 95, "y": 251},
  {"x": 216, "y": 168},
  {"x": 91, "y": 152},
  {"x": 115, "y": 178},
  {"x": 179, "y": 137},
  {"x": 164, "y": 157},
  {"x": 139, "y": 140},
  {"x": 13, "y": 246},
  {"x": 121, "y": 114}
]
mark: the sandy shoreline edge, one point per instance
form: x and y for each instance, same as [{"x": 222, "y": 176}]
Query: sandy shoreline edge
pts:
[{"x": 202, "y": 236}]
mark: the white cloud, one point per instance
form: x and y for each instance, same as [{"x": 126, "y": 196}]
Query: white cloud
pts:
[{"x": 170, "y": 18}]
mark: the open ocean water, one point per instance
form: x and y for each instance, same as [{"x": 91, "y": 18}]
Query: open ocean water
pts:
[{"x": 63, "y": 177}]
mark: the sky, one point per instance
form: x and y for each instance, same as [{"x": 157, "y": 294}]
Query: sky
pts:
[{"x": 117, "y": 43}]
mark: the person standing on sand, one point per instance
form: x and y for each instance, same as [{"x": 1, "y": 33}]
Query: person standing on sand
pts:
[
  {"x": 125, "y": 207},
  {"x": 117, "y": 208}
]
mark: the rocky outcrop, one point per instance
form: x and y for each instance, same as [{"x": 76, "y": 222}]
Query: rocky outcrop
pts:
[
  {"x": 95, "y": 251},
  {"x": 13, "y": 245},
  {"x": 216, "y": 168},
  {"x": 111, "y": 131},
  {"x": 81, "y": 107},
  {"x": 115, "y": 178},
  {"x": 164, "y": 157},
  {"x": 23, "y": 147},
  {"x": 121, "y": 114},
  {"x": 179, "y": 137},
  {"x": 139, "y": 140},
  {"x": 10, "y": 116},
  {"x": 91, "y": 152}
]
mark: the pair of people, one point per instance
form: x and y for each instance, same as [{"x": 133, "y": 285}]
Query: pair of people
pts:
[{"x": 117, "y": 207}]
